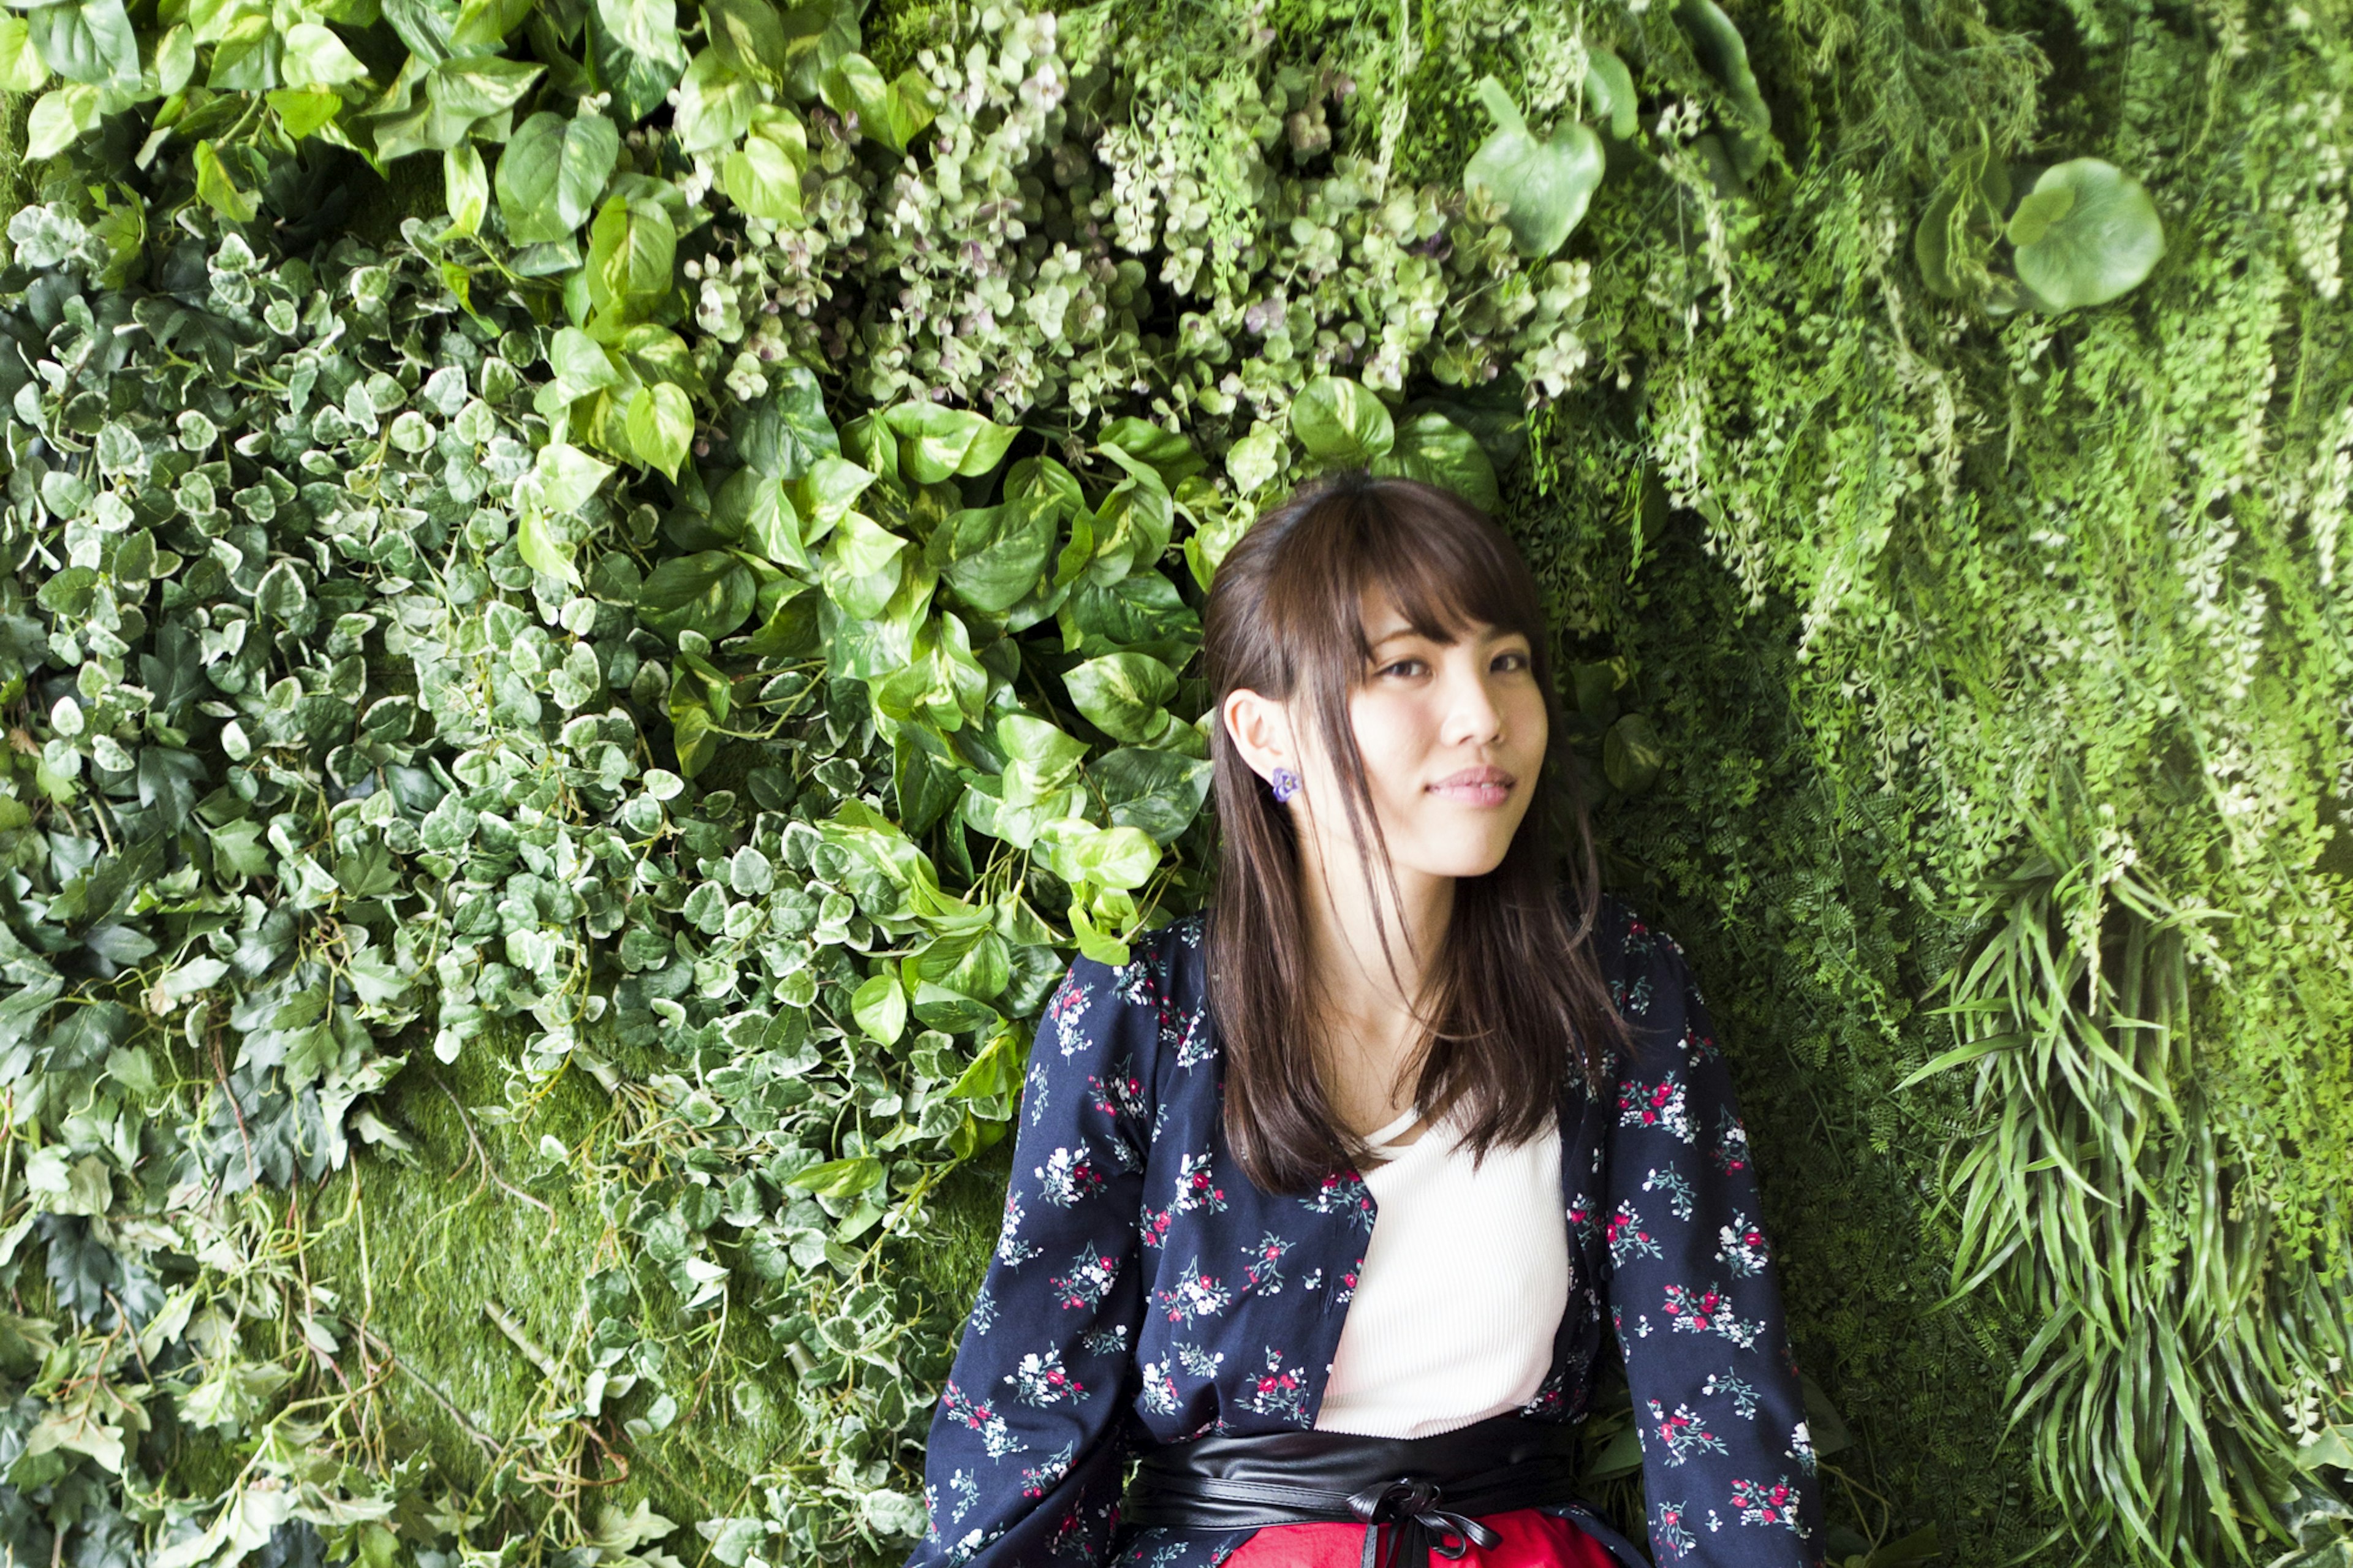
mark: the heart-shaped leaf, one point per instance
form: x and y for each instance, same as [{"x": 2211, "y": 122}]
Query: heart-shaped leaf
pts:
[
  {"x": 2085, "y": 233},
  {"x": 1544, "y": 185},
  {"x": 1339, "y": 421}
]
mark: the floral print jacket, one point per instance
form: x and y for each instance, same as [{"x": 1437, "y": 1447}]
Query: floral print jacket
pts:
[{"x": 1144, "y": 1290}]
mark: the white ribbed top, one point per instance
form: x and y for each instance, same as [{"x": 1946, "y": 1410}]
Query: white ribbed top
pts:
[{"x": 1462, "y": 1287}]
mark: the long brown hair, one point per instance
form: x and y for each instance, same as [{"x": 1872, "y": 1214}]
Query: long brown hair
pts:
[{"x": 1516, "y": 990}]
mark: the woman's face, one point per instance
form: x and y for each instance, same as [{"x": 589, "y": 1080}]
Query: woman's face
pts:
[{"x": 1453, "y": 736}]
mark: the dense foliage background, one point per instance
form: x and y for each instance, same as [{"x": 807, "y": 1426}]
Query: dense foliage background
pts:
[{"x": 599, "y": 593}]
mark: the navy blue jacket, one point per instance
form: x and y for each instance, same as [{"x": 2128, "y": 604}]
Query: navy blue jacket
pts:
[{"x": 1145, "y": 1290}]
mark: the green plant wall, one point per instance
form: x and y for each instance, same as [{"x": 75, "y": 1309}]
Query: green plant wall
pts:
[{"x": 599, "y": 593}]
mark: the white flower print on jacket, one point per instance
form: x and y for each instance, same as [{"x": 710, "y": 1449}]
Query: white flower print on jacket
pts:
[{"x": 1145, "y": 1290}]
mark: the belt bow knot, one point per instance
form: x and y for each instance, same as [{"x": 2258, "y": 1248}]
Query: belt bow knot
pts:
[{"x": 1411, "y": 1504}]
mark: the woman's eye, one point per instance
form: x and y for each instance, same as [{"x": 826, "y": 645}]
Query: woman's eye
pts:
[
  {"x": 1522, "y": 659},
  {"x": 1400, "y": 664}
]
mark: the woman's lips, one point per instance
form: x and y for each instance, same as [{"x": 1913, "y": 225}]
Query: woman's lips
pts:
[{"x": 1474, "y": 790}]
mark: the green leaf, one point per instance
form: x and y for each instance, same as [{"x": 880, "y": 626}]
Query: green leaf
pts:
[
  {"x": 302, "y": 111},
  {"x": 1544, "y": 185},
  {"x": 749, "y": 35},
  {"x": 568, "y": 477},
  {"x": 714, "y": 103},
  {"x": 476, "y": 86},
  {"x": 1158, "y": 792},
  {"x": 879, "y": 1006},
  {"x": 1724, "y": 55},
  {"x": 691, "y": 728},
  {"x": 1433, "y": 448},
  {"x": 552, "y": 173},
  {"x": 87, "y": 41},
  {"x": 542, "y": 549},
  {"x": 854, "y": 90},
  {"x": 632, "y": 248},
  {"x": 2085, "y": 233},
  {"x": 910, "y": 106},
  {"x": 992, "y": 556},
  {"x": 644, "y": 27},
  {"x": 788, "y": 433},
  {"x": 465, "y": 185},
  {"x": 217, "y": 190},
  {"x": 763, "y": 177},
  {"x": 21, "y": 67},
  {"x": 1170, "y": 454},
  {"x": 315, "y": 57},
  {"x": 60, "y": 116},
  {"x": 710, "y": 592},
  {"x": 1609, "y": 92},
  {"x": 861, "y": 570},
  {"x": 1122, "y": 693},
  {"x": 661, "y": 426},
  {"x": 1339, "y": 421},
  {"x": 937, "y": 442},
  {"x": 818, "y": 34},
  {"x": 1631, "y": 754}
]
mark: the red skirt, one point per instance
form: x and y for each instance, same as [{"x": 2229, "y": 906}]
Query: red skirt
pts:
[{"x": 1531, "y": 1539}]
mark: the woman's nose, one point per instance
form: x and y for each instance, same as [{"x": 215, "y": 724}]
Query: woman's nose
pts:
[{"x": 1473, "y": 713}]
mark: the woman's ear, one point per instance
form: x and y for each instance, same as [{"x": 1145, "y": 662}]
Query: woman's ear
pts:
[{"x": 1261, "y": 731}]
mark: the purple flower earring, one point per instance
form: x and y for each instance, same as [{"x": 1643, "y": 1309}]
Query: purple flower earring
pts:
[{"x": 1286, "y": 783}]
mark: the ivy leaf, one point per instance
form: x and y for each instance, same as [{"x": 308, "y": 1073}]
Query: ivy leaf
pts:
[
  {"x": 314, "y": 56},
  {"x": 632, "y": 248},
  {"x": 764, "y": 175},
  {"x": 937, "y": 442},
  {"x": 87, "y": 41},
  {"x": 748, "y": 34},
  {"x": 714, "y": 103},
  {"x": 566, "y": 476},
  {"x": 786, "y": 434},
  {"x": 709, "y": 591},
  {"x": 647, "y": 28},
  {"x": 21, "y": 67},
  {"x": 1339, "y": 421},
  {"x": 215, "y": 188},
  {"x": 1433, "y": 448},
  {"x": 994, "y": 555},
  {"x": 1170, "y": 454},
  {"x": 881, "y": 1008},
  {"x": 661, "y": 426},
  {"x": 2085, "y": 233},
  {"x": 1158, "y": 792},
  {"x": 60, "y": 116},
  {"x": 1545, "y": 185},
  {"x": 552, "y": 173},
  {"x": 1122, "y": 693}
]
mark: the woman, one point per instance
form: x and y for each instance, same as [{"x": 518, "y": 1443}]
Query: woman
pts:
[{"x": 1401, "y": 1007}]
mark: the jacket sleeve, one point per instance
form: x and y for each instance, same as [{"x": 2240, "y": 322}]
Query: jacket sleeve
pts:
[
  {"x": 1727, "y": 1464},
  {"x": 1025, "y": 1459}
]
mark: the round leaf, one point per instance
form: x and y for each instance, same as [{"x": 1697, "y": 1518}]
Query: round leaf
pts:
[{"x": 2085, "y": 233}]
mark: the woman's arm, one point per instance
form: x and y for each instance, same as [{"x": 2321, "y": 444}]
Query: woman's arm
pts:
[
  {"x": 1727, "y": 1465},
  {"x": 1023, "y": 1465}
]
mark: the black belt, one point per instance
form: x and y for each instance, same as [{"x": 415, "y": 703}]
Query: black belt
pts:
[{"x": 1428, "y": 1490}]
